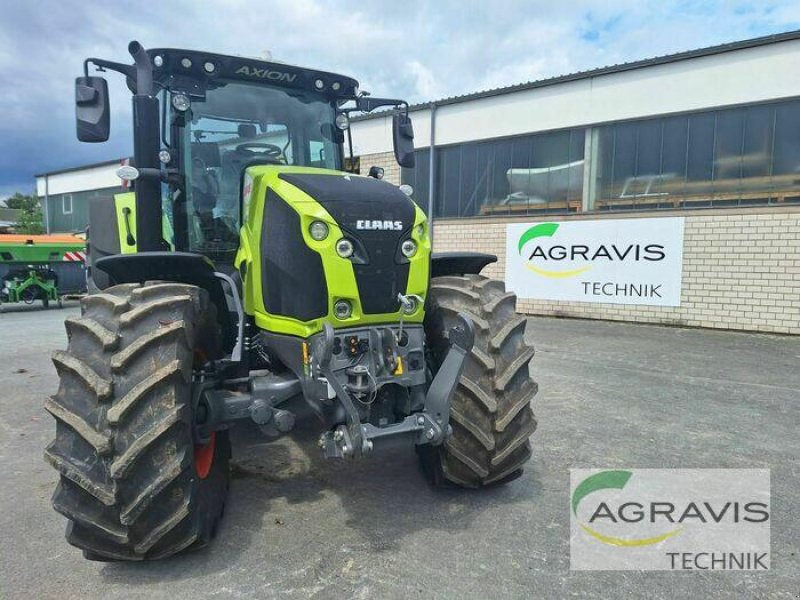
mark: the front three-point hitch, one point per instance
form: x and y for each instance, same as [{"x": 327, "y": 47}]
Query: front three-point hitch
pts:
[
  {"x": 261, "y": 402},
  {"x": 430, "y": 426}
]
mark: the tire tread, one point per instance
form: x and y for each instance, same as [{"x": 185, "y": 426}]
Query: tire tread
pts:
[
  {"x": 124, "y": 446},
  {"x": 491, "y": 407}
]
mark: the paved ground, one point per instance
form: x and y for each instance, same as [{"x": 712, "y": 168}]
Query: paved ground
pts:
[{"x": 612, "y": 395}]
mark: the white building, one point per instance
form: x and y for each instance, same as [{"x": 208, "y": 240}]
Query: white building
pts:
[
  {"x": 696, "y": 128},
  {"x": 710, "y": 136},
  {"x": 65, "y": 194}
]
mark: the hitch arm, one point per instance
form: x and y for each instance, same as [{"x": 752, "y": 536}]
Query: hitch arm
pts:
[
  {"x": 440, "y": 393},
  {"x": 349, "y": 440}
]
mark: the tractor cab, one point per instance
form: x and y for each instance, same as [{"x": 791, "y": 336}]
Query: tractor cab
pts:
[
  {"x": 221, "y": 115},
  {"x": 203, "y": 118}
]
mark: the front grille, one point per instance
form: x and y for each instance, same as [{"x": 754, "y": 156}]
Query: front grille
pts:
[
  {"x": 292, "y": 277},
  {"x": 381, "y": 279},
  {"x": 350, "y": 199}
]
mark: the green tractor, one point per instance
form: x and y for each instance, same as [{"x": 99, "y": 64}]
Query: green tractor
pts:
[{"x": 248, "y": 272}]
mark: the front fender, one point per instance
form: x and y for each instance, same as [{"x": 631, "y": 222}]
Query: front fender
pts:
[
  {"x": 178, "y": 267},
  {"x": 459, "y": 263}
]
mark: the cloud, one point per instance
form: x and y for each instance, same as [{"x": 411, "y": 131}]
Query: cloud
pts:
[
  {"x": 418, "y": 49},
  {"x": 425, "y": 82}
]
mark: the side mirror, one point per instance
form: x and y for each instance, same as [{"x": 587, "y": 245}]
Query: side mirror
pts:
[
  {"x": 403, "y": 136},
  {"x": 91, "y": 109}
]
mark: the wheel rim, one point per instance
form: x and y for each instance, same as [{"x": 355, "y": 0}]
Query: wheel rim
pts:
[{"x": 204, "y": 456}]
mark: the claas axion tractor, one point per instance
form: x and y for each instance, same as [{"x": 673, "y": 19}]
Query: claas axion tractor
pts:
[{"x": 248, "y": 271}]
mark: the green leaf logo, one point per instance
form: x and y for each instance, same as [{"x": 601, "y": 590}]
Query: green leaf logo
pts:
[
  {"x": 611, "y": 480},
  {"x": 601, "y": 481},
  {"x": 541, "y": 230}
]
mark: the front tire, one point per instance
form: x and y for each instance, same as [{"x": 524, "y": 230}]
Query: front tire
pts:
[
  {"x": 130, "y": 482},
  {"x": 490, "y": 412}
]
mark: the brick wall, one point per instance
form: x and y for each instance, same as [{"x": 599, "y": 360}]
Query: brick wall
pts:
[
  {"x": 741, "y": 269},
  {"x": 391, "y": 170}
]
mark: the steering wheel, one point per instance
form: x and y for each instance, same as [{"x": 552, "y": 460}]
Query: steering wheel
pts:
[{"x": 266, "y": 150}]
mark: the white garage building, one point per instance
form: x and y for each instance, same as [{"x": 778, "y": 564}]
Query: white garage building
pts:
[{"x": 701, "y": 148}]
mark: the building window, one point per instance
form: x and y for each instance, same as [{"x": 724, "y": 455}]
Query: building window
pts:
[
  {"x": 527, "y": 174},
  {"x": 744, "y": 156},
  {"x": 731, "y": 157},
  {"x": 66, "y": 204}
]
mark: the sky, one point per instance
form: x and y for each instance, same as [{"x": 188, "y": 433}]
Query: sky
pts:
[{"x": 415, "y": 49}]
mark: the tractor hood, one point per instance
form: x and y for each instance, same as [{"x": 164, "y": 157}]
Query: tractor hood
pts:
[
  {"x": 358, "y": 204},
  {"x": 302, "y": 278},
  {"x": 376, "y": 216}
]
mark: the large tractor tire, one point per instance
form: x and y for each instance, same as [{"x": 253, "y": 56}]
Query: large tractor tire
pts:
[
  {"x": 134, "y": 483},
  {"x": 490, "y": 411}
]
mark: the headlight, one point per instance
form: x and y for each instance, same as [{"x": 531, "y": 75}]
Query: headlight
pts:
[
  {"x": 344, "y": 248},
  {"x": 181, "y": 102},
  {"x": 342, "y": 309},
  {"x": 408, "y": 248},
  {"x": 342, "y": 122},
  {"x": 318, "y": 230},
  {"x": 411, "y": 307}
]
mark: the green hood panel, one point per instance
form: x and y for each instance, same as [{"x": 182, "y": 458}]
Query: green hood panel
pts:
[{"x": 308, "y": 192}]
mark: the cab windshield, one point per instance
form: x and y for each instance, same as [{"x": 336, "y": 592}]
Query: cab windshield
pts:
[{"x": 235, "y": 126}]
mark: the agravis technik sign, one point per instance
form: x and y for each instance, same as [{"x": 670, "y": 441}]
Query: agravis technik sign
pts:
[
  {"x": 670, "y": 519},
  {"x": 618, "y": 261}
]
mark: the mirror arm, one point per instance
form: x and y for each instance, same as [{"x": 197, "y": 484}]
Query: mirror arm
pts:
[
  {"x": 102, "y": 65},
  {"x": 169, "y": 176},
  {"x": 368, "y": 103}
]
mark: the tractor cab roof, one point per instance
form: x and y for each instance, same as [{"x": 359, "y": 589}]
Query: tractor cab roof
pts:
[{"x": 192, "y": 72}]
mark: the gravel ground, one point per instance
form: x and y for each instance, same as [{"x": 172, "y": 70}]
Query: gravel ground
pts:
[{"x": 612, "y": 395}]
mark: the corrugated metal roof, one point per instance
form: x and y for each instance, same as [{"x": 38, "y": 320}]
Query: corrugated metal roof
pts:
[{"x": 608, "y": 70}]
